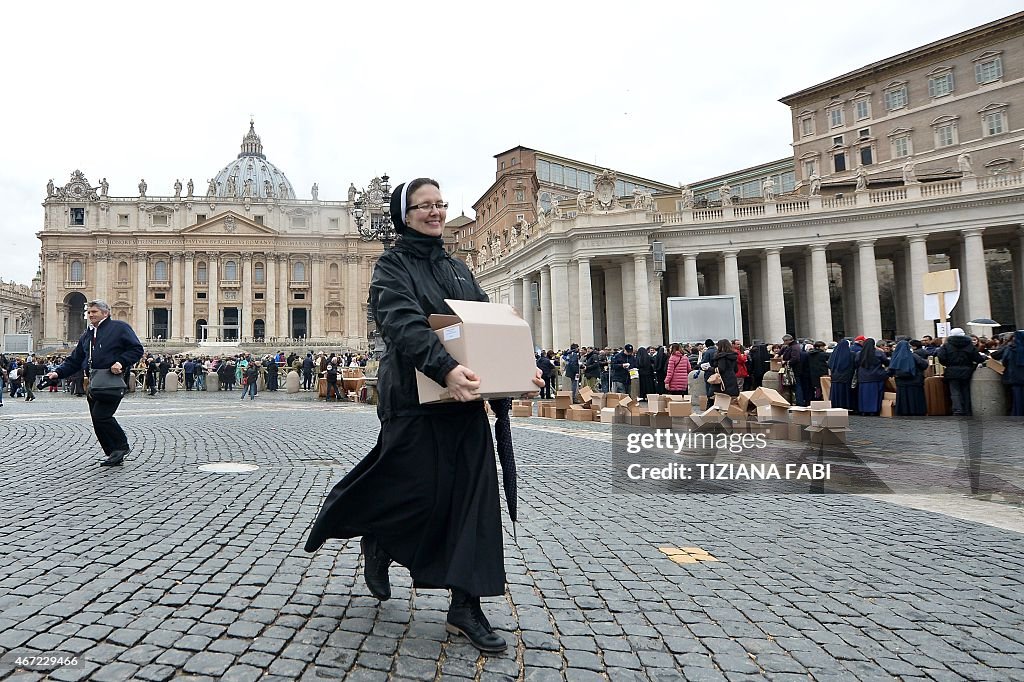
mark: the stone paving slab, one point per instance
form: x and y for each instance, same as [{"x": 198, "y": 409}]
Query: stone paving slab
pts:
[{"x": 156, "y": 570}]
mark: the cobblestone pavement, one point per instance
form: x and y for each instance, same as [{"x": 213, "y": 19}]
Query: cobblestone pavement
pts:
[{"x": 157, "y": 570}]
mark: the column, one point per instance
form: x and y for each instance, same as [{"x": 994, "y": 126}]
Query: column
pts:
[
  {"x": 917, "y": 247},
  {"x": 775, "y": 324},
  {"x": 177, "y": 296},
  {"x": 141, "y": 315},
  {"x": 867, "y": 276},
  {"x": 188, "y": 324},
  {"x": 527, "y": 309},
  {"x": 978, "y": 303},
  {"x": 270, "y": 316},
  {"x": 655, "y": 301},
  {"x": 690, "y": 275},
  {"x": 712, "y": 280},
  {"x": 546, "y": 338},
  {"x": 102, "y": 276},
  {"x": 560, "y": 326},
  {"x": 213, "y": 276},
  {"x": 801, "y": 302},
  {"x": 642, "y": 296},
  {"x": 1018, "y": 279},
  {"x": 52, "y": 322},
  {"x": 586, "y": 303},
  {"x": 957, "y": 316},
  {"x": 731, "y": 285},
  {"x": 821, "y": 304},
  {"x": 900, "y": 293},
  {"x": 245, "y": 312},
  {"x": 283, "y": 328},
  {"x": 316, "y": 295},
  {"x": 614, "y": 324},
  {"x": 754, "y": 304},
  {"x": 627, "y": 277}
]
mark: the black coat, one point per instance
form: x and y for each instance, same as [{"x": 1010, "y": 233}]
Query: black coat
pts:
[
  {"x": 115, "y": 342},
  {"x": 410, "y": 283},
  {"x": 726, "y": 364},
  {"x": 620, "y": 373},
  {"x": 960, "y": 357}
]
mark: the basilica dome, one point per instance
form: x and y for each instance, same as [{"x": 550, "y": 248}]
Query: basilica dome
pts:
[{"x": 251, "y": 175}]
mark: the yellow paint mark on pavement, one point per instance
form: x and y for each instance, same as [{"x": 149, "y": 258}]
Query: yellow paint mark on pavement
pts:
[{"x": 686, "y": 555}]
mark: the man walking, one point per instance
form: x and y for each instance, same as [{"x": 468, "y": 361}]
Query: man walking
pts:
[
  {"x": 106, "y": 344},
  {"x": 28, "y": 377}
]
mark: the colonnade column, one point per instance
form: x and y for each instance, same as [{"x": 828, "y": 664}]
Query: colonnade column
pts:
[
  {"x": 141, "y": 313},
  {"x": 51, "y": 324},
  {"x": 586, "y": 303},
  {"x": 214, "y": 306},
  {"x": 560, "y": 326},
  {"x": 821, "y": 305},
  {"x": 642, "y": 298},
  {"x": 614, "y": 323},
  {"x": 775, "y": 324},
  {"x": 627, "y": 278},
  {"x": 801, "y": 301},
  {"x": 282, "y": 295},
  {"x": 527, "y": 309},
  {"x": 245, "y": 310},
  {"x": 316, "y": 294},
  {"x": 270, "y": 321},
  {"x": 867, "y": 276},
  {"x": 917, "y": 260},
  {"x": 978, "y": 303},
  {"x": 546, "y": 339},
  {"x": 177, "y": 296},
  {"x": 102, "y": 274},
  {"x": 188, "y": 324},
  {"x": 901, "y": 293},
  {"x": 754, "y": 304},
  {"x": 690, "y": 275},
  {"x": 731, "y": 275}
]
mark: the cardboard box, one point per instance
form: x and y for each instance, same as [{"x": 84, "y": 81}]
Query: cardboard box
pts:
[
  {"x": 744, "y": 400},
  {"x": 612, "y": 399},
  {"x": 796, "y": 433},
  {"x": 775, "y": 364},
  {"x": 768, "y": 396},
  {"x": 723, "y": 401},
  {"x": 522, "y": 411},
  {"x": 654, "y": 404},
  {"x": 835, "y": 417},
  {"x": 470, "y": 336},
  {"x": 559, "y": 413},
  {"x": 563, "y": 399},
  {"x": 608, "y": 415},
  {"x": 776, "y": 431},
  {"x": 682, "y": 423},
  {"x": 661, "y": 421},
  {"x": 628, "y": 406},
  {"x": 888, "y": 408},
  {"x": 995, "y": 365},
  {"x": 821, "y": 435},
  {"x": 800, "y": 415},
  {"x": 821, "y": 404},
  {"x": 826, "y": 387},
  {"x": 679, "y": 409},
  {"x": 736, "y": 413},
  {"x": 547, "y": 411},
  {"x": 579, "y": 413},
  {"x": 889, "y": 396},
  {"x": 640, "y": 420},
  {"x": 586, "y": 395},
  {"x": 772, "y": 413}
]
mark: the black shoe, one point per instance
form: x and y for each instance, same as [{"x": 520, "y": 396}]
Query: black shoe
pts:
[
  {"x": 375, "y": 568},
  {"x": 114, "y": 458},
  {"x": 467, "y": 619}
]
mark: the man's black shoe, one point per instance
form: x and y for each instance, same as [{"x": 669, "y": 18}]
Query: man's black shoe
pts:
[
  {"x": 114, "y": 459},
  {"x": 467, "y": 619},
  {"x": 375, "y": 568}
]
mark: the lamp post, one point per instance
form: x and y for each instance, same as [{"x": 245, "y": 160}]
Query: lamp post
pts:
[{"x": 377, "y": 227}]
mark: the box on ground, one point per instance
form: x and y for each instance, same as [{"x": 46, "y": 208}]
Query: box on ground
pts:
[
  {"x": 470, "y": 336},
  {"x": 579, "y": 413},
  {"x": 800, "y": 415},
  {"x": 889, "y": 396},
  {"x": 586, "y": 395},
  {"x": 995, "y": 365},
  {"x": 608, "y": 415},
  {"x": 768, "y": 396},
  {"x": 563, "y": 399},
  {"x": 772, "y": 413},
  {"x": 821, "y": 404},
  {"x": 834, "y": 417},
  {"x": 522, "y": 410},
  {"x": 679, "y": 409},
  {"x": 823, "y": 435},
  {"x": 888, "y": 408}
]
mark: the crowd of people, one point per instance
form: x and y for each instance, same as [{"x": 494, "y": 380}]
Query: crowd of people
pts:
[{"x": 857, "y": 368}]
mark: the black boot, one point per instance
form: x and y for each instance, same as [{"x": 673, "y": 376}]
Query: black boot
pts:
[
  {"x": 375, "y": 568},
  {"x": 114, "y": 459},
  {"x": 466, "y": 618}
]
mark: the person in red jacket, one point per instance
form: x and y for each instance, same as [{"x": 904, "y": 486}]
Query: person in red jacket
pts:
[
  {"x": 678, "y": 372},
  {"x": 741, "y": 365}
]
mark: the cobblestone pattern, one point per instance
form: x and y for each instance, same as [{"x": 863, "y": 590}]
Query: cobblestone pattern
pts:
[{"x": 157, "y": 571}]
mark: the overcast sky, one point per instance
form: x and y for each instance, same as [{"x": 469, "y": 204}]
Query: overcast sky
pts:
[{"x": 342, "y": 92}]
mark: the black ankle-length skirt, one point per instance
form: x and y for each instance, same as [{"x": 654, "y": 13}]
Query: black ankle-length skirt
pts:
[{"x": 428, "y": 491}]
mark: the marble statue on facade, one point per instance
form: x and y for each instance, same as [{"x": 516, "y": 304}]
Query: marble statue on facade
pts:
[
  {"x": 909, "y": 176},
  {"x": 283, "y": 190},
  {"x": 50, "y": 188},
  {"x": 687, "y": 196},
  {"x": 483, "y": 255},
  {"x": 768, "y": 189},
  {"x": 815, "y": 181},
  {"x": 642, "y": 200},
  {"x": 143, "y": 187},
  {"x": 247, "y": 187},
  {"x": 104, "y": 187},
  {"x": 315, "y": 191},
  {"x": 725, "y": 193},
  {"x": 177, "y": 188},
  {"x": 211, "y": 188},
  {"x": 527, "y": 229},
  {"x": 862, "y": 180},
  {"x": 513, "y": 236},
  {"x": 232, "y": 186},
  {"x": 581, "y": 201},
  {"x": 190, "y": 188},
  {"x": 268, "y": 189},
  {"x": 352, "y": 191},
  {"x": 964, "y": 163}
]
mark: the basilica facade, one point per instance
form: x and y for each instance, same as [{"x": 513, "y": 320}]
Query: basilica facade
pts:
[{"x": 243, "y": 260}]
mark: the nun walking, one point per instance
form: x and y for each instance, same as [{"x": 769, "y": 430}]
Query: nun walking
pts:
[
  {"x": 871, "y": 375},
  {"x": 908, "y": 370},
  {"x": 426, "y": 496},
  {"x": 840, "y": 367}
]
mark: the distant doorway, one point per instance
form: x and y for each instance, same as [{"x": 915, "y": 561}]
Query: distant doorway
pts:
[
  {"x": 75, "y": 314},
  {"x": 299, "y": 322}
]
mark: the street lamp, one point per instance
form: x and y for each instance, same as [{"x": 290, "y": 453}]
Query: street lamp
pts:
[{"x": 377, "y": 200}]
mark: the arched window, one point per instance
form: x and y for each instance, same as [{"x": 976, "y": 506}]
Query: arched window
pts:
[
  {"x": 231, "y": 270},
  {"x": 299, "y": 272},
  {"x": 259, "y": 274},
  {"x": 160, "y": 271},
  {"x": 201, "y": 273},
  {"x": 77, "y": 274},
  {"x": 334, "y": 321},
  {"x": 122, "y": 271},
  {"x": 333, "y": 273}
]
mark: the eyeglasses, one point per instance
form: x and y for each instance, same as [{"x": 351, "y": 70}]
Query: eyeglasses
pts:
[{"x": 439, "y": 205}]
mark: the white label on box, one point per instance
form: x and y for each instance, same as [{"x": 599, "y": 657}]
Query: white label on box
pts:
[{"x": 451, "y": 333}]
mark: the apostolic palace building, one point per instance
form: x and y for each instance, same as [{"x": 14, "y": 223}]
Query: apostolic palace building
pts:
[{"x": 908, "y": 165}]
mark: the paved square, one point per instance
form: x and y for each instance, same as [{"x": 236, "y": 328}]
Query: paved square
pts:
[{"x": 157, "y": 570}]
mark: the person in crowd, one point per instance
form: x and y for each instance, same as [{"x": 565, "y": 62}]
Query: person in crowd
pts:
[
  {"x": 660, "y": 369},
  {"x": 707, "y": 358},
  {"x": 960, "y": 358},
  {"x": 105, "y": 344},
  {"x": 333, "y": 392},
  {"x": 870, "y": 364},
  {"x": 725, "y": 362},
  {"x": 908, "y": 369},
  {"x": 928, "y": 345},
  {"x": 758, "y": 362},
  {"x": 793, "y": 356},
  {"x": 199, "y": 370},
  {"x": 164, "y": 368},
  {"x": 572, "y": 368},
  {"x": 14, "y": 379},
  {"x": 817, "y": 367},
  {"x": 621, "y": 363},
  {"x": 28, "y": 379},
  {"x": 307, "y": 372},
  {"x": 742, "y": 362},
  {"x": 677, "y": 371},
  {"x": 547, "y": 371},
  {"x": 592, "y": 368},
  {"x": 841, "y": 369},
  {"x": 645, "y": 368},
  {"x": 251, "y": 380},
  {"x": 1012, "y": 357},
  {"x": 189, "y": 369},
  {"x": 426, "y": 496},
  {"x": 153, "y": 375}
]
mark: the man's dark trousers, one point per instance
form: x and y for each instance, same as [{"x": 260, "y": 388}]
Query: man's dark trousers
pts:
[{"x": 108, "y": 431}]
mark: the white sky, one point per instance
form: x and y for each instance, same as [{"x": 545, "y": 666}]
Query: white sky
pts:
[{"x": 342, "y": 92}]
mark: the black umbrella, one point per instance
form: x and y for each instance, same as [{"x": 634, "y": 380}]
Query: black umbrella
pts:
[{"x": 503, "y": 440}]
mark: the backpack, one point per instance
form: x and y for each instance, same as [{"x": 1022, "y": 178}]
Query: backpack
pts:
[{"x": 13, "y": 374}]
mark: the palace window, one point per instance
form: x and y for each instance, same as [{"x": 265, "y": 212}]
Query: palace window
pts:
[
  {"x": 230, "y": 271},
  {"x": 160, "y": 271},
  {"x": 298, "y": 221},
  {"x": 333, "y": 273},
  {"x": 993, "y": 123},
  {"x": 77, "y": 271},
  {"x": 122, "y": 220},
  {"x": 78, "y": 216},
  {"x": 862, "y": 109},
  {"x": 946, "y": 133},
  {"x": 299, "y": 272},
  {"x": 896, "y": 97},
  {"x": 901, "y": 146},
  {"x": 259, "y": 273},
  {"x": 160, "y": 295},
  {"x": 988, "y": 68},
  {"x": 122, "y": 271},
  {"x": 806, "y": 126},
  {"x": 839, "y": 162},
  {"x": 835, "y": 117},
  {"x": 259, "y": 295},
  {"x": 258, "y": 219},
  {"x": 201, "y": 277},
  {"x": 940, "y": 85},
  {"x": 160, "y": 220},
  {"x": 200, "y": 218}
]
